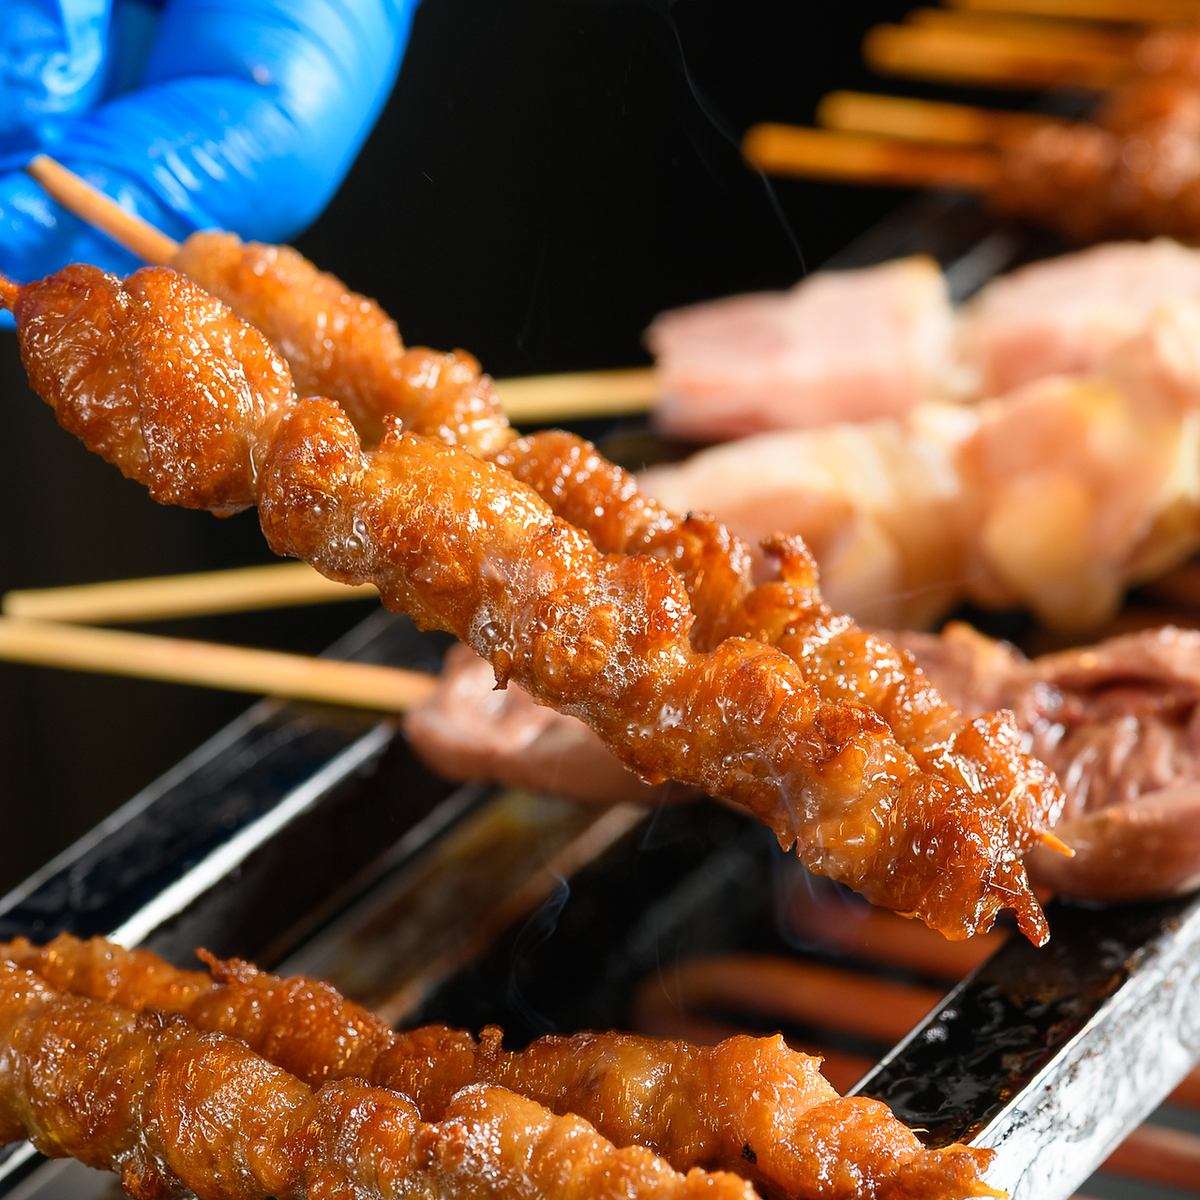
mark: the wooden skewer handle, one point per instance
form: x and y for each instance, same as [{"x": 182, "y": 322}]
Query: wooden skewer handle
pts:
[
  {"x": 243, "y": 589},
  {"x": 826, "y": 154},
  {"x": 538, "y": 399},
  {"x": 1016, "y": 29},
  {"x": 207, "y": 664},
  {"x": 962, "y": 56},
  {"x": 925, "y": 120}
]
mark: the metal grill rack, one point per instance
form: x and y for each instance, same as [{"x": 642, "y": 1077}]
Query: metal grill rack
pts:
[{"x": 311, "y": 840}]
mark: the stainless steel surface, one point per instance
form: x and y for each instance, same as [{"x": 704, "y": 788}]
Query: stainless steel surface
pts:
[{"x": 1051, "y": 1057}]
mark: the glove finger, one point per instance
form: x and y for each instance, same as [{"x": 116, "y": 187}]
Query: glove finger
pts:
[
  {"x": 52, "y": 56},
  {"x": 248, "y": 117},
  {"x": 276, "y": 98}
]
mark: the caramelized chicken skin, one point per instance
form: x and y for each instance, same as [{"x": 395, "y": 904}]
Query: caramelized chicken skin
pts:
[
  {"x": 173, "y": 1109},
  {"x": 748, "y": 1105},
  {"x": 1117, "y": 720}
]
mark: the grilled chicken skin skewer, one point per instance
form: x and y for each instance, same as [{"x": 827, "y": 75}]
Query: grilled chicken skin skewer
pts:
[
  {"x": 748, "y": 1105},
  {"x": 1116, "y": 719},
  {"x": 164, "y": 382},
  {"x": 344, "y": 346},
  {"x": 175, "y": 1110}
]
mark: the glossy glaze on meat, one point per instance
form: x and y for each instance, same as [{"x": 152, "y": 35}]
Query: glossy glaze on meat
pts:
[
  {"x": 468, "y": 729},
  {"x": 297, "y": 307},
  {"x": 837, "y": 657},
  {"x": 1118, "y": 721},
  {"x": 165, "y": 382},
  {"x": 173, "y": 1109},
  {"x": 342, "y": 345},
  {"x": 748, "y": 1105}
]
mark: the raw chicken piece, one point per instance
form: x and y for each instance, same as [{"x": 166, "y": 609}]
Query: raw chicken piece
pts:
[
  {"x": 1057, "y": 497},
  {"x": 1063, "y": 315},
  {"x": 1075, "y": 489},
  {"x": 840, "y": 346}
]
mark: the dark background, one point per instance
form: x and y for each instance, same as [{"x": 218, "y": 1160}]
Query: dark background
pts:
[{"x": 548, "y": 175}]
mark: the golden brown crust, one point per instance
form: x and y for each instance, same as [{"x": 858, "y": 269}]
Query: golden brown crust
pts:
[
  {"x": 458, "y": 544},
  {"x": 170, "y": 1108},
  {"x": 344, "y": 345},
  {"x": 462, "y": 546},
  {"x": 837, "y": 657},
  {"x": 1135, "y": 172},
  {"x": 1117, "y": 720},
  {"x": 176, "y": 406},
  {"x": 749, "y": 1105},
  {"x": 595, "y": 495}
]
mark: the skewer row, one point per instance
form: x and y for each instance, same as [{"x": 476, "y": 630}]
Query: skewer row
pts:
[{"x": 1109, "y": 169}]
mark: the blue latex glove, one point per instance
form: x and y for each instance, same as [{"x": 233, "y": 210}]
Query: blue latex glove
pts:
[{"x": 238, "y": 114}]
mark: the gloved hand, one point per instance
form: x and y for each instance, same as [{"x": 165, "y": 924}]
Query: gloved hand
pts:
[{"x": 238, "y": 114}]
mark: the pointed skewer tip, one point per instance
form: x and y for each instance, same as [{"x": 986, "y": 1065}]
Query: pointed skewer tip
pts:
[
  {"x": 1053, "y": 842},
  {"x": 982, "y": 1189}
]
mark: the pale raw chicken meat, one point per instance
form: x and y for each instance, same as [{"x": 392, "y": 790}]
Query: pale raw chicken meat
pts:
[
  {"x": 1057, "y": 497},
  {"x": 1076, "y": 489},
  {"x": 1062, "y": 316},
  {"x": 840, "y": 346}
]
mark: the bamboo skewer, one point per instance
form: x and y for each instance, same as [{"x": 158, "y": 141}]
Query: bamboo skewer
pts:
[
  {"x": 534, "y": 398},
  {"x": 845, "y": 157},
  {"x": 1135, "y": 11},
  {"x": 78, "y": 196},
  {"x": 965, "y": 56},
  {"x": 242, "y": 589},
  {"x": 539, "y": 399},
  {"x": 926, "y": 120},
  {"x": 210, "y": 664}
]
